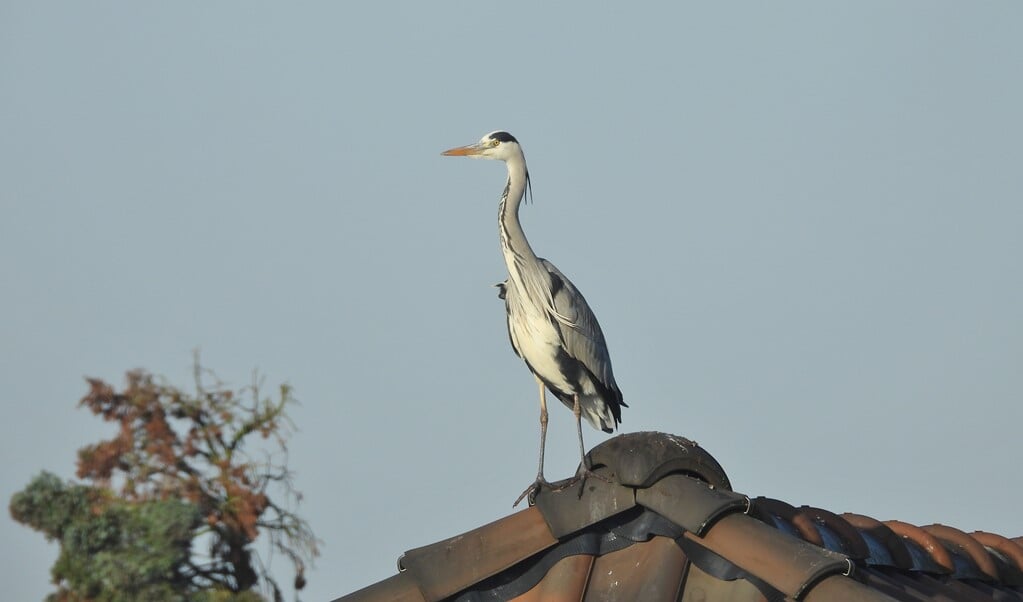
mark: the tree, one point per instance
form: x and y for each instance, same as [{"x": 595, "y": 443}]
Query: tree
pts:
[{"x": 181, "y": 474}]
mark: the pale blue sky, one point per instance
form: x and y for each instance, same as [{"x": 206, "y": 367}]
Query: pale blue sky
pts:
[{"x": 798, "y": 223}]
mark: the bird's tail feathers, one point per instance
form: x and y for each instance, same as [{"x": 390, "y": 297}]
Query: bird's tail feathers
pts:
[{"x": 599, "y": 414}]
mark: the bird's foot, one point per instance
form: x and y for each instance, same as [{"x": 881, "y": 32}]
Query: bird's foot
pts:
[
  {"x": 541, "y": 483},
  {"x": 586, "y": 473},
  {"x": 531, "y": 491}
]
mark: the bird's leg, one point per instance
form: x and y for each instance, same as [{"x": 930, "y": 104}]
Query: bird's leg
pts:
[
  {"x": 586, "y": 472},
  {"x": 543, "y": 429},
  {"x": 577, "y": 409},
  {"x": 540, "y": 481}
]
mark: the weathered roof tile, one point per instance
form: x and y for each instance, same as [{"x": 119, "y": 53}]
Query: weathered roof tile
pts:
[
  {"x": 789, "y": 565},
  {"x": 886, "y": 547},
  {"x": 928, "y": 554},
  {"x": 692, "y": 504},
  {"x": 582, "y": 504},
  {"x": 641, "y": 459},
  {"x": 836, "y": 534},
  {"x": 660, "y": 562},
  {"x": 449, "y": 566},
  {"x": 399, "y": 588},
  {"x": 1008, "y": 552},
  {"x": 838, "y": 587},
  {"x": 563, "y": 581},
  {"x": 958, "y": 542}
]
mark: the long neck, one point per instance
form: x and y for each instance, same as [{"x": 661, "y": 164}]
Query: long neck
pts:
[{"x": 514, "y": 245}]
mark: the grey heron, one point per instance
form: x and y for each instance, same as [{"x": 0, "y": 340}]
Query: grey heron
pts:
[{"x": 550, "y": 325}]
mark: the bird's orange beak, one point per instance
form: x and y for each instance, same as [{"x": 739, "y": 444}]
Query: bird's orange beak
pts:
[{"x": 463, "y": 151}]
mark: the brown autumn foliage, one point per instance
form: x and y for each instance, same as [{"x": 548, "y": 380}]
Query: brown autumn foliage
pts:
[{"x": 199, "y": 448}]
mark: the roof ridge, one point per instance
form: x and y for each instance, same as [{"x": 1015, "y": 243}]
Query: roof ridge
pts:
[{"x": 662, "y": 518}]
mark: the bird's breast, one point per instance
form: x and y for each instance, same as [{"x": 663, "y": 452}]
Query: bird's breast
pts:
[{"x": 537, "y": 340}]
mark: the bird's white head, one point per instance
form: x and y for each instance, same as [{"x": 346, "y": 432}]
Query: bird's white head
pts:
[{"x": 498, "y": 145}]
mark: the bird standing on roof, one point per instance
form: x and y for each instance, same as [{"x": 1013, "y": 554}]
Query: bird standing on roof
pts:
[{"x": 551, "y": 326}]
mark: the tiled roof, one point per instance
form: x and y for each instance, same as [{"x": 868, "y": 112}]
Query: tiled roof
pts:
[{"x": 668, "y": 527}]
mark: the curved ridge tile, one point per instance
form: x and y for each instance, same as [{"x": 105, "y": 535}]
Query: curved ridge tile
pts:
[
  {"x": 776, "y": 510},
  {"x": 969, "y": 546},
  {"x": 642, "y": 459},
  {"x": 1011, "y": 550},
  {"x": 886, "y": 546},
  {"x": 936, "y": 558},
  {"x": 689, "y": 502},
  {"x": 833, "y": 527},
  {"x": 449, "y": 566},
  {"x": 786, "y": 563}
]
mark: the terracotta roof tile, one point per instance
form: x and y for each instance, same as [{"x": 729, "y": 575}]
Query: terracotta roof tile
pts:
[
  {"x": 927, "y": 552},
  {"x": 449, "y": 566},
  {"x": 782, "y": 515},
  {"x": 836, "y": 533},
  {"x": 603, "y": 500},
  {"x": 837, "y": 587},
  {"x": 690, "y": 503},
  {"x": 961, "y": 544},
  {"x": 668, "y": 527},
  {"x": 886, "y": 547},
  {"x": 791, "y": 566},
  {"x": 563, "y": 581},
  {"x": 399, "y": 588},
  {"x": 701, "y": 586},
  {"x": 641, "y": 459},
  {"x": 1007, "y": 553},
  {"x": 660, "y": 562}
]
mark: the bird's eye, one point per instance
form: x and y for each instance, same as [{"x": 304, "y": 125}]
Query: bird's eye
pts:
[{"x": 494, "y": 142}]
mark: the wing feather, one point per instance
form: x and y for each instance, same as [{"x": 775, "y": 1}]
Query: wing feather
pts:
[{"x": 578, "y": 327}]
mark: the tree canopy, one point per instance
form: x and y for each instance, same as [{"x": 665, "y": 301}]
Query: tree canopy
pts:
[{"x": 175, "y": 501}]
